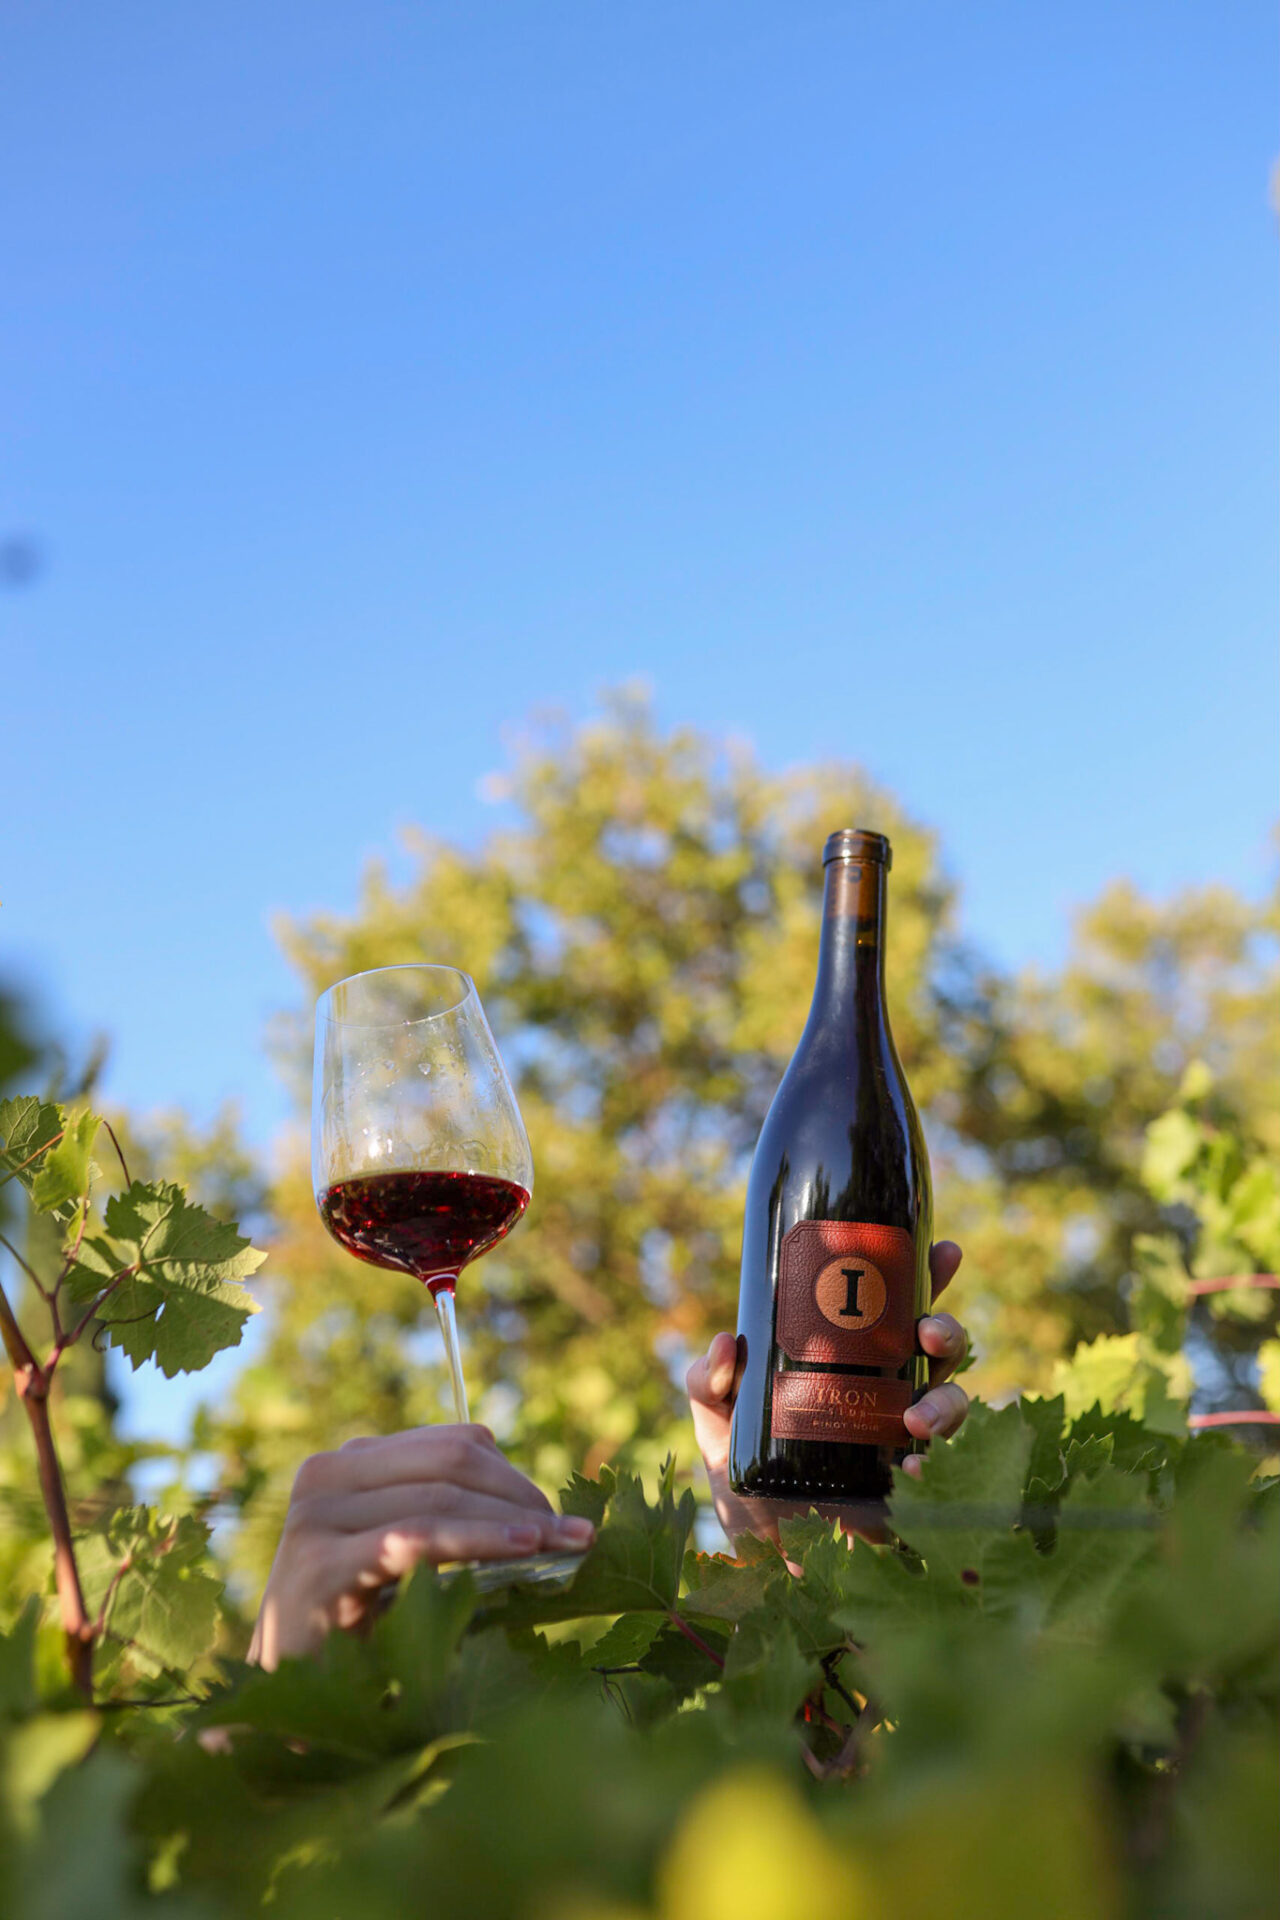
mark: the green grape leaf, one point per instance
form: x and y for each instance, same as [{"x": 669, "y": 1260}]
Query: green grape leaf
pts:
[
  {"x": 1229, "y": 1862},
  {"x": 1126, "y": 1371},
  {"x": 725, "y": 1589},
  {"x": 1205, "y": 1611},
  {"x": 1133, "y": 1447},
  {"x": 62, "y": 1178},
  {"x": 335, "y": 1701},
  {"x": 885, "y": 1595},
  {"x": 630, "y": 1637},
  {"x": 1046, "y": 1467},
  {"x": 968, "y": 1495},
  {"x": 767, "y": 1674},
  {"x": 761, "y": 1587},
  {"x": 418, "y": 1638},
  {"x": 147, "y": 1573},
  {"x": 1173, "y": 1144},
  {"x": 18, "y": 1693},
  {"x": 36, "y": 1753},
  {"x": 818, "y": 1546},
  {"x": 673, "y": 1657},
  {"x": 634, "y": 1565},
  {"x": 589, "y": 1499},
  {"x": 1105, "y": 1530},
  {"x": 1089, "y": 1455},
  {"x": 81, "y": 1856},
  {"x": 26, "y": 1126},
  {"x": 1158, "y": 1300},
  {"x": 182, "y": 1303},
  {"x": 814, "y": 1602}
]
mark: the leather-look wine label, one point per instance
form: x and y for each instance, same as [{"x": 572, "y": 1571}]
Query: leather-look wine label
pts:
[
  {"x": 846, "y": 1294},
  {"x": 840, "y": 1406}
]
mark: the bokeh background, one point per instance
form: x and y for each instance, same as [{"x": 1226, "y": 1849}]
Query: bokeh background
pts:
[{"x": 616, "y": 445}]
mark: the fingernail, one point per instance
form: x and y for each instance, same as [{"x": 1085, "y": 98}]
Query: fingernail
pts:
[
  {"x": 721, "y": 1381},
  {"x": 938, "y": 1328},
  {"x": 522, "y": 1536},
  {"x": 930, "y": 1415},
  {"x": 572, "y": 1527}
]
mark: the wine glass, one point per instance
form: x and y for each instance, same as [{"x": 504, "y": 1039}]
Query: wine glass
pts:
[{"x": 419, "y": 1157}]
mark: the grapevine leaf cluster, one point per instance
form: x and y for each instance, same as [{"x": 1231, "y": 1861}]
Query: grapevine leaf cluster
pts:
[
  {"x": 1052, "y": 1687},
  {"x": 159, "y": 1277}
]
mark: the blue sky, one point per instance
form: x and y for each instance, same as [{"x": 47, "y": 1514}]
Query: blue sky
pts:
[{"x": 887, "y": 381}]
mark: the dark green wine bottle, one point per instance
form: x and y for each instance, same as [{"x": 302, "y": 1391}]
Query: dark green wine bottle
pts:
[{"x": 835, "y": 1244}]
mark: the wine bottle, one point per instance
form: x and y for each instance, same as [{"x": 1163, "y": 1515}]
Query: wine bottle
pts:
[{"x": 835, "y": 1244}]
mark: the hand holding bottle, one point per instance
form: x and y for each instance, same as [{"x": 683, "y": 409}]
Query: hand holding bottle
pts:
[{"x": 712, "y": 1383}]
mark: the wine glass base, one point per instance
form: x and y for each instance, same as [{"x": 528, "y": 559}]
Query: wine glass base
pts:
[
  {"x": 533, "y": 1570},
  {"x": 548, "y": 1570}
]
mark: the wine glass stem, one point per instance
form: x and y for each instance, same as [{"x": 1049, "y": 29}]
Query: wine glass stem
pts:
[{"x": 443, "y": 1297}]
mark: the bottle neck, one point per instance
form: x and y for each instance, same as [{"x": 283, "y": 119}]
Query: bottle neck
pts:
[{"x": 851, "y": 957}]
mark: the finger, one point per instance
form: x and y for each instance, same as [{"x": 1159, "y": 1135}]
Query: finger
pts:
[
  {"x": 464, "y": 1456},
  {"x": 387, "y": 1506},
  {"x": 939, "y": 1413},
  {"x": 946, "y": 1343},
  {"x": 944, "y": 1263},
  {"x": 913, "y": 1463},
  {"x": 710, "y": 1380}
]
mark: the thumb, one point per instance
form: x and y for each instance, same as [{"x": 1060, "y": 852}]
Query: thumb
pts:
[
  {"x": 712, "y": 1381},
  {"x": 713, "y": 1384}
]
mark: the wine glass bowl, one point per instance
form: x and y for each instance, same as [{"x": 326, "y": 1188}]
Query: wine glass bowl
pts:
[
  {"x": 420, "y": 1160},
  {"x": 408, "y": 1079}
]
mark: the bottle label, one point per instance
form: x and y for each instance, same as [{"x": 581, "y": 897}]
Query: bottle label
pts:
[
  {"x": 846, "y": 1295},
  {"x": 840, "y": 1406}
]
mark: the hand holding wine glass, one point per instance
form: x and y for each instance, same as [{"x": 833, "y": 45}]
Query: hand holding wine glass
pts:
[{"x": 362, "y": 1517}]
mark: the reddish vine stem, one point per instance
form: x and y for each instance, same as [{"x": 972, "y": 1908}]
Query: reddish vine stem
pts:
[
  {"x": 76, "y": 1624},
  {"x": 91, "y": 1312},
  {"x": 44, "y": 1147},
  {"x": 100, "y": 1624},
  {"x": 124, "y": 1164},
  {"x": 1226, "y": 1282},
  {"x": 20, "y": 1355},
  {"x": 32, "y": 1382},
  {"x": 694, "y": 1639},
  {"x": 26, "y": 1266},
  {"x": 837, "y": 1685}
]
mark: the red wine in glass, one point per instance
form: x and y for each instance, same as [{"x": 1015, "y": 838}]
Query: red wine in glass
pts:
[{"x": 426, "y": 1224}]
